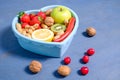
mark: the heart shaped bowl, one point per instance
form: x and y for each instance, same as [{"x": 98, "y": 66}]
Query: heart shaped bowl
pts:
[{"x": 51, "y": 49}]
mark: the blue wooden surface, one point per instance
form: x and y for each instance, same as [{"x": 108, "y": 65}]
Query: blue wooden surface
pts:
[{"x": 103, "y": 15}]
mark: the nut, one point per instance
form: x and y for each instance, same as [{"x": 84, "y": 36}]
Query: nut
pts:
[
  {"x": 27, "y": 27},
  {"x": 32, "y": 27},
  {"x": 91, "y": 31},
  {"x": 48, "y": 12},
  {"x": 64, "y": 70},
  {"x": 66, "y": 22},
  {"x": 49, "y": 21},
  {"x": 30, "y": 31},
  {"x": 36, "y": 26},
  {"x": 28, "y": 35},
  {"x": 44, "y": 26},
  {"x": 27, "y": 30},
  {"x": 24, "y": 32},
  {"x": 56, "y": 37},
  {"x": 35, "y": 66},
  {"x": 60, "y": 33},
  {"x": 19, "y": 28}
]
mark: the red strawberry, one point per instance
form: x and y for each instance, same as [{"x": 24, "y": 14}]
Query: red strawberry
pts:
[
  {"x": 25, "y": 18},
  {"x": 36, "y": 20},
  {"x": 42, "y": 14},
  {"x": 32, "y": 15}
]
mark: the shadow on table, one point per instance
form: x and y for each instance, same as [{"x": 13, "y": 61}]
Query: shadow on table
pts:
[
  {"x": 28, "y": 71},
  {"x": 55, "y": 73},
  {"x": 7, "y": 39},
  {"x": 11, "y": 46},
  {"x": 79, "y": 73},
  {"x": 81, "y": 61},
  {"x": 85, "y": 34}
]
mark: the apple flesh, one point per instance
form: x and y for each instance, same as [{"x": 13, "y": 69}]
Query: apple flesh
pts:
[{"x": 60, "y": 14}]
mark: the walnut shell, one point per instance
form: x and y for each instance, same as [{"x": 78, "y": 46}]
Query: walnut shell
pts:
[
  {"x": 49, "y": 21},
  {"x": 64, "y": 70},
  {"x": 91, "y": 31},
  {"x": 35, "y": 66}
]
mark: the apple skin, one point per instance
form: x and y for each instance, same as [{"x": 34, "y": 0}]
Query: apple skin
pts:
[{"x": 60, "y": 14}]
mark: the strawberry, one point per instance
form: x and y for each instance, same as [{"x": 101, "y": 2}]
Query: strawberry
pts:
[
  {"x": 25, "y": 18},
  {"x": 36, "y": 20},
  {"x": 32, "y": 15},
  {"x": 42, "y": 15}
]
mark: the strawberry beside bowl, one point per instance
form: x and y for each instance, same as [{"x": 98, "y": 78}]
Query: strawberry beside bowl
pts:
[{"x": 52, "y": 49}]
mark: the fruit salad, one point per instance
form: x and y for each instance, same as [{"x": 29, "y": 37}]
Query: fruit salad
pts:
[{"x": 52, "y": 25}]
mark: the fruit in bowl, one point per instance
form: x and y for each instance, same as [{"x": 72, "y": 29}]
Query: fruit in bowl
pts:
[
  {"x": 39, "y": 32},
  {"x": 40, "y": 26},
  {"x": 60, "y": 14}
]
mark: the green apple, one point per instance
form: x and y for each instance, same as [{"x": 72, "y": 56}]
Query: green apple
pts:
[{"x": 60, "y": 14}]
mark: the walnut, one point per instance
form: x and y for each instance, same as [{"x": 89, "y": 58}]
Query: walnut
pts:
[
  {"x": 91, "y": 31},
  {"x": 64, "y": 70},
  {"x": 48, "y": 12},
  {"x": 49, "y": 21},
  {"x": 35, "y": 66}
]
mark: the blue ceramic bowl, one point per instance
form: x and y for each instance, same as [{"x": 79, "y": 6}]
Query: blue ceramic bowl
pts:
[{"x": 53, "y": 49}]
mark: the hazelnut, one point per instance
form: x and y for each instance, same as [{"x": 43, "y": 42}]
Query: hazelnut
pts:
[
  {"x": 35, "y": 66},
  {"x": 91, "y": 31},
  {"x": 64, "y": 70},
  {"x": 49, "y": 21}
]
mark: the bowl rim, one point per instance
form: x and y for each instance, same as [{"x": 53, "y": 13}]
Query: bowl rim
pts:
[{"x": 43, "y": 8}]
